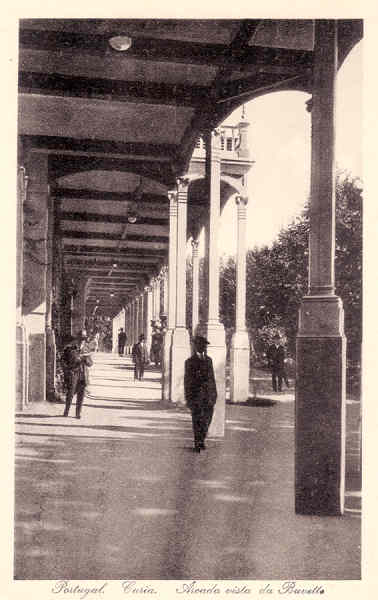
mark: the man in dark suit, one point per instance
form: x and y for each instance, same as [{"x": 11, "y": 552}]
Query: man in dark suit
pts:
[
  {"x": 76, "y": 360},
  {"x": 121, "y": 341},
  {"x": 140, "y": 357},
  {"x": 200, "y": 391},
  {"x": 276, "y": 360}
]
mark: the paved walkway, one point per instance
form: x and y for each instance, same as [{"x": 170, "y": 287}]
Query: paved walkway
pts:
[{"x": 120, "y": 494}]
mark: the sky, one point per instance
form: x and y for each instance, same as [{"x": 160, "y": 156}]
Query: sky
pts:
[{"x": 280, "y": 145}]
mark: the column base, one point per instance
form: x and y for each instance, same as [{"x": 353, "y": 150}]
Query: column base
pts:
[
  {"x": 216, "y": 335},
  {"x": 37, "y": 367},
  {"x": 239, "y": 367},
  {"x": 21, "y": 368},
  {"x": 180, "y": 352},
  {"x": 320, "y": 410}
]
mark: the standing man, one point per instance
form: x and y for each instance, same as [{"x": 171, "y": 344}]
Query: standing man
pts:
[
  {"x": 276, "y": 360},
  {"x": 200, "y": 390},
  {"x": 140, "y": 357},
  {"x": 121, "y": 341},
  {"x": 76, "y": 360}
]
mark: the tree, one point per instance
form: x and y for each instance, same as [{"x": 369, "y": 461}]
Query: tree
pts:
[{"x": 277, "y": 276}]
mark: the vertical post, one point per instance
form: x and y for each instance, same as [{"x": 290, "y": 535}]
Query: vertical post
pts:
[
  {"x": 214, "y": 330},
  {"x": 321, "y": 344},
  {"x": 148, "y": 316},
  {"x": 137, "y": 332},
  {"x": 158, "y": 284},
  {"x": 21, "y": 338},
  {"x": 239, "y": 362},
  {"x": 35, "y": 259},
  {"x": 141, "y": 313},
  {"x": 180, "y": 338},
  {"x": 50, "y": 335},
  {"x": 195, "y": 285},
  {"x": 165, "y": 290},
  {"x": 172, "y": 259}
]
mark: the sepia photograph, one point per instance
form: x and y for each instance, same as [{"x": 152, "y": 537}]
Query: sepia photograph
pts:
[{"x": 189, "y": 317}]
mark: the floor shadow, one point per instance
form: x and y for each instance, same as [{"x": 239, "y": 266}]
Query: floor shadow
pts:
[
  {"x": 34, "y": 416},
  {"x": 261, "y": 402}
]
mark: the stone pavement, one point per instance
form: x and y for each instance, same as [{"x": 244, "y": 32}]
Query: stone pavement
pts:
[{"x": 119, "y": 494}]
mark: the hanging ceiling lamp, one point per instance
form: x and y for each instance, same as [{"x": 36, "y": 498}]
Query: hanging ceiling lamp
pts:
[{"x": 120, "y": 42}]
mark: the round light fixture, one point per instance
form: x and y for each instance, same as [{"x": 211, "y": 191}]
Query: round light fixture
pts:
[
  {"x": 120, "y": 42},
  {"x": 132, "y": 217}
]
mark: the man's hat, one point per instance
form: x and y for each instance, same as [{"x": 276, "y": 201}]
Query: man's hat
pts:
[{"x": 200, "y": 341}]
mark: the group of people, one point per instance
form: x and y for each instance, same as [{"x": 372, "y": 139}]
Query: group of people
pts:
[{"x": 199, "y": 379}]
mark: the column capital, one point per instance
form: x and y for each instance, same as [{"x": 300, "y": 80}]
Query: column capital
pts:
[
  {"x": 164, "y": 270},
  {"x": 195, "y": 244},
  {"x": 182, "y": 184},
  {"x": 241, "y": 200},
  {"x": 172, "y": 195}
]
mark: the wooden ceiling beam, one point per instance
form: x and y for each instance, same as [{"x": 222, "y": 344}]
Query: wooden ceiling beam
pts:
[
  {"x": 55, "y": 84},
  {"x": 93, "y": 146},
  {"x": 99, "y": 235},
  {"x": 108, "y": 218}
]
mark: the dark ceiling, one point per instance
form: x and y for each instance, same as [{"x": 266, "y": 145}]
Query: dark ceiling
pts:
[{"x": 119, "y": 127}]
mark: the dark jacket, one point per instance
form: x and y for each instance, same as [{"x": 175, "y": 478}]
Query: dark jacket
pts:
[
  {"x": 199, "y": 381},
  {"x": 140, "y": 353},
  {"x": 122, "y": 337},
  {"x": 74, "y": 362},
  {"x": 276, "y": 357}
]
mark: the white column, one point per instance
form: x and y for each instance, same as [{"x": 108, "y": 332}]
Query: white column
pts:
[
  {"x": 180, "y": 338},
  {"x": 195, "y": 285},
  {"x": 239, "y": 362},
  {"x": 141, "y": 313},
  {"x": 136, "y": 317},
  {"x": 214, "y": 330},
  {"x": 148, "y": 316},
  {"x": 172, "y": 259},
  {"x": 165, "y": 290},
  {"x": 158, "y": 284}
]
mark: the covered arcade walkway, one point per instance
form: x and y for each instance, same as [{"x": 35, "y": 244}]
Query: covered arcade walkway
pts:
[{"x": 120, "y": 494}]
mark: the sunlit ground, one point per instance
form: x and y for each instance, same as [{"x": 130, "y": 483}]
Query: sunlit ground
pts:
[{"x": 120, "y": 494}]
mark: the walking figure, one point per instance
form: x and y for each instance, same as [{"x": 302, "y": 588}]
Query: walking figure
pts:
[
  {"x": 121, "y": 341},
  {"x": 140, "y": 357},
  {"x": 76, "y": 361},
  {"x": 200, "y": 391},
  {"x": 276, "y": 359}
]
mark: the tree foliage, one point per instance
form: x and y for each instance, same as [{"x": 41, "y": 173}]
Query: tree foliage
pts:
[{"x": 277, "y": 276}]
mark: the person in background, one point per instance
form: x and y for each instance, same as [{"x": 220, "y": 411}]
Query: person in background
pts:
[
  {"x": 200, "y": 390},
  {"x": 121, "y": 341},
  {"x": 76, "y": 360},
  {"x": 276, "y": 360},
  {"x": 140, "y": 357}
]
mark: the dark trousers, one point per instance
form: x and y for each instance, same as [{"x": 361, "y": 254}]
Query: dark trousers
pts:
[
  {"x": 138, "y": 370},
  {"x": 201, "y": 419},
  {"x": 121, "y": 348},
  {"x": 277, "y": 377},
  {"x": 75, "y": 385}
]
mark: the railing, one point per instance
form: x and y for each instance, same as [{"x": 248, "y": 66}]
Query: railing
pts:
[{"x": 229, "y": 143}]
